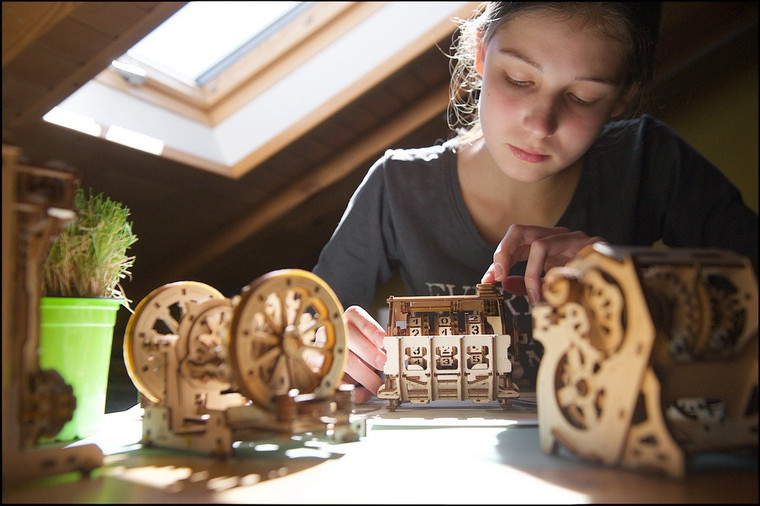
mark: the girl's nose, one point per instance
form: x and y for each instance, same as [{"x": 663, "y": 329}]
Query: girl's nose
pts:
[{"x": 540, "y": 118}]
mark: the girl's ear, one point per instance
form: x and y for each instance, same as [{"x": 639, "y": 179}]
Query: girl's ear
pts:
[{"x": 480, "y": 54}]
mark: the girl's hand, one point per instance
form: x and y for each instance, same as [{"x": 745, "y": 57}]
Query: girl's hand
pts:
[
  {"x": 366, "y": 357},
  {"x": 542, "y": 247}
]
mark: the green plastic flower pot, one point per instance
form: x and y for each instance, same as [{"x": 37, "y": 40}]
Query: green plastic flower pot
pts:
[{"x": 76, "y": 335}]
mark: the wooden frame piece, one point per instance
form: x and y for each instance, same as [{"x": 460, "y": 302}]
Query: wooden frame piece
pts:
[
  {"x": 37, "y": 204},
  {"x": 650, "y": 356}
]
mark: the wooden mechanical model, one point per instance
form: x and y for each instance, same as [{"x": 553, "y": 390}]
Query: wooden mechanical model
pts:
[
  {"x": 37, "y": 204},
  {"x": 263, "y": 365},
  {"x": 448, "y": 347},
  {"x": 650, "y": 356}
]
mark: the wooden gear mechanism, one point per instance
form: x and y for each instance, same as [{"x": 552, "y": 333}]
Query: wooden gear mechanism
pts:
[
  {"x": 650, "y": 356},
  {"x": 37, "y": 204},
  {"x": 265, "y": 363},
  {"x": 449, "y": 348}
]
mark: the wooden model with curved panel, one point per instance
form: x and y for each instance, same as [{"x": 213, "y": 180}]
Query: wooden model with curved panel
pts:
[
  {"x": 650, "y": 356},
  {"x": 216, "y": 370}
]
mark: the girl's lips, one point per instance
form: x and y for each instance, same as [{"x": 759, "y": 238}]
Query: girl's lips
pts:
[{"x": 527, "y": 156}]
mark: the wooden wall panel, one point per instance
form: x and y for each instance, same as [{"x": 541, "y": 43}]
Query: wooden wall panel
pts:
[
  {"x": 111, "y": 18},
  {"x": 40, "y": 66},
  {"x": 73, "y": 41},
  {"x": 25, "y": 22},
  {"x": 18, "y": 95}
]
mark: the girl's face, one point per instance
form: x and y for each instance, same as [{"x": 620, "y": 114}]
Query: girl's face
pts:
[{"x": 548, "y": 88}]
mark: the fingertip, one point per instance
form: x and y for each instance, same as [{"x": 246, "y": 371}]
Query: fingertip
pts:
[
  {"x": 488, "y": 275},
  {"x": 534, "y": 293},
  {"x": 360, "y": 395},
  {"x": 499, "y": 272},
  {"x": 380, "y": 361}
]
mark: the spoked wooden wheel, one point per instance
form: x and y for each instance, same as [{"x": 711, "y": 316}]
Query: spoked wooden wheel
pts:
[
  {"x": 152, "y": 332},
  {"x": 579, "y": 392},
  {"x": 202, "y": 350},
  {"x": 287, "y": 332}
]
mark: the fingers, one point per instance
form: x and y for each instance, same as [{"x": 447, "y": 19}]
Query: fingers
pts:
[
  {"x": 551, "y": 251},
  {"x": 363, "y": 374},
  {"x": 542, "y": 248},
  {"x": 365, "y": 336},
  {"x": 517, "y": 244},
  {"x": 356, "y": 371},
  {"x": 533, "y": 269},
  {"x": 359, "y": 394},
  {"x": 494, "y": 274},
  {"x": 489, "y": 276},
  {"x": 361, "y": 320},
  {"x": 366, "y": 356}
]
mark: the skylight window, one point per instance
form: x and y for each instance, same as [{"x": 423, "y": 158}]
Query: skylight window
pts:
[
  {"x": 222, "y": 86},
  {"x": 191, "y": 45}
]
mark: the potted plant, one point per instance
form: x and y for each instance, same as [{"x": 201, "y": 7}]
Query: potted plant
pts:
[{"x": 81, "y": 293}]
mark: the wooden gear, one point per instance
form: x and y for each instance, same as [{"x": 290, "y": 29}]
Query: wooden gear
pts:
[
  {"x": 650, "y": 355},
  {"x": 264, "y": 363},
  {"x": 448, "y": 347}
]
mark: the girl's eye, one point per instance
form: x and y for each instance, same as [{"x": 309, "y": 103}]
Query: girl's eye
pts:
[
  {"x": 580, "y": 101},
  {"x": 515, "y": 82}
]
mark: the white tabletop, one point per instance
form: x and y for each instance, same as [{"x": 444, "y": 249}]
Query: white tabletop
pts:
[{"x": 443, "y": 453}]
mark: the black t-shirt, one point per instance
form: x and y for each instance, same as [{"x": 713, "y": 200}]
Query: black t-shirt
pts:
[{"x": 640, "y": 183}]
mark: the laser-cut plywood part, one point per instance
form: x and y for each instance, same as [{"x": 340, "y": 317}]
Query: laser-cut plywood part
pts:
[
  {"x": 288, "y": 334},
  {"x": 448, "y": 347},
  {"x": 266, "y": 363},
  {"x": 650, "y": 356},
  {"x": 153, "y": 330},
  {"x": 37, "y": 204}
]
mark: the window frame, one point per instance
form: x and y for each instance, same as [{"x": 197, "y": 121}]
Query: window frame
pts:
[{"x": 209, "y": 104}]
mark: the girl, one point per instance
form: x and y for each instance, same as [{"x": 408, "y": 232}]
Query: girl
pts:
[{"x": 542, "y": 164}]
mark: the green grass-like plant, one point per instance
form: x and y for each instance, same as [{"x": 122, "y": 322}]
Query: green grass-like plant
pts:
[{"x": 89, "y": 256}]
